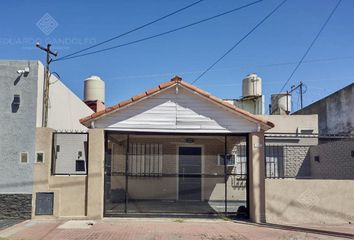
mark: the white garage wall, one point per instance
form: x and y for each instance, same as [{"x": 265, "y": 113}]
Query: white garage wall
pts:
[{"x": 176, "y": 111}]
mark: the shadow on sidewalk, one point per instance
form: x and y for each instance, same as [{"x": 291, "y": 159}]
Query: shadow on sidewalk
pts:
[
  {"x": 5, "y": 223},
  {"x": 312, "y": 230}
]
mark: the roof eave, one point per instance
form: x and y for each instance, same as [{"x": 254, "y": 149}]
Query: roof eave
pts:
[{"x": 265, "y": 124}]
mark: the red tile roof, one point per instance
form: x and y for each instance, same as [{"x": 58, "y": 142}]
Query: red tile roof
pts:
[{"x": 173, "y": 81}]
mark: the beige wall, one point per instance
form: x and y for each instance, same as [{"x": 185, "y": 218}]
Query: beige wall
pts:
[
  {"x": 291, "y": 123},
  {"x": 74, "y": 196},
  {"x": 71, "y": 194},
  {"x": 256, "y": 177},
  {"x": 69, "y": 191},
  {"x": 296, "y": 201},
  {"x": 95, "y": 174}
]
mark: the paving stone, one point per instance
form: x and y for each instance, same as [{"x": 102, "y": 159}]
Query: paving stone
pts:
[{"x": 155, "y": 229}]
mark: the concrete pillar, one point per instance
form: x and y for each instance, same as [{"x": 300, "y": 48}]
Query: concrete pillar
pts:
[
  {"x": 42, "y": 172},
  {"x": 95, "y": 181},
  {"x": 256, "y": 177}
]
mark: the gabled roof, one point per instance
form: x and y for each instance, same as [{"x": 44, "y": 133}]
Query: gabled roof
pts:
[{"x": 174, "y": 81}]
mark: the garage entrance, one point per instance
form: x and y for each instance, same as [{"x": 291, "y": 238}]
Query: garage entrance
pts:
[{"x": 175, "y": 174}]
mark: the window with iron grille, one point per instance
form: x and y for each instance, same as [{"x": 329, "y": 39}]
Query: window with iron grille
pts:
[
  {"x": 274, "y": 160},
  {"x": 241, "y": 160},
  {"x": 145, "y": 159}
]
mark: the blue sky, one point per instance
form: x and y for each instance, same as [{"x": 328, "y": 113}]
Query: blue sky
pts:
[{"x": 271, "y": 51}]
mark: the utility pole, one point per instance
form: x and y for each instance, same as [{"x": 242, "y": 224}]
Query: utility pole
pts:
[
  {"x": 300, "y": 86},
  {"x": 301, "y": 94},
  {"x": 46, "y": 82}
]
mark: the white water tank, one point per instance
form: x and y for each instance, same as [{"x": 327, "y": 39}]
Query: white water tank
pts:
[
  {"x": 251, "y": 86},
  {"x": 94, "y": 89},
  {"x": 281, "y": 104}
]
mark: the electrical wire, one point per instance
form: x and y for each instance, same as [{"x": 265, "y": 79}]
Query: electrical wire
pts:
[
  {"x": 164, "y": 74},
  {"x": 134, "y": 29},
  {"x": 239, "y": 41},
  {"x": 312, "y": 43},
  {"x": 161, "y": 34}
]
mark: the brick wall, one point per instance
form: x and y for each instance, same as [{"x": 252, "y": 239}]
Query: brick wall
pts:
[
  {"x": 297, "y": 161},
  {"x": 288, "y": 161}
]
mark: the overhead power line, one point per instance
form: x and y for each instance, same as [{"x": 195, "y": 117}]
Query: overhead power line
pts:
[
  {"x": 239, "y": 41},
  {"x": 161, "y": 34},
  {"x": 134, "y": 29},
  {"x": 312, "y": 43},
  {"x": 164, "y": 74}
]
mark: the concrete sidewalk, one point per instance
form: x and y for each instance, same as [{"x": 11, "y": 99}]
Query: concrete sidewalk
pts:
[{"x": 150, "y": 228}]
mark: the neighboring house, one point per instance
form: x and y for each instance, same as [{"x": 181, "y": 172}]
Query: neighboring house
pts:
[
  {"x": 173, "y": 149},
  {"x": 332, "y": 158},
  {"x": 314, "y": 142},
  {"x": 294, "y": 149},
  {"x": 335, "y": 112},
  {"x": 309, "y": 172},
  {"x": 288, "y": 144},
  {"x": 21, "y": 97}
]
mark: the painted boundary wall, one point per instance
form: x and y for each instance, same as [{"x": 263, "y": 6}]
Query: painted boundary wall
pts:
[
  {"x": 335, "y": 160},
  {"x": 298, "y": 201}
]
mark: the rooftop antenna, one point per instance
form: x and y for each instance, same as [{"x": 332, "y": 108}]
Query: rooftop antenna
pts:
[{"x": 46, "y": 81}]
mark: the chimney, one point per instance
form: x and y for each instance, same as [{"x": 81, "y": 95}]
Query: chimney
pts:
[
  {"x": 96, "y": 106},
  {"x": 94, "y": 93}
]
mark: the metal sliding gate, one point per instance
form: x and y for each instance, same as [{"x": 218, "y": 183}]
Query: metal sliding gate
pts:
[{"x": 179, "y": 174}]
